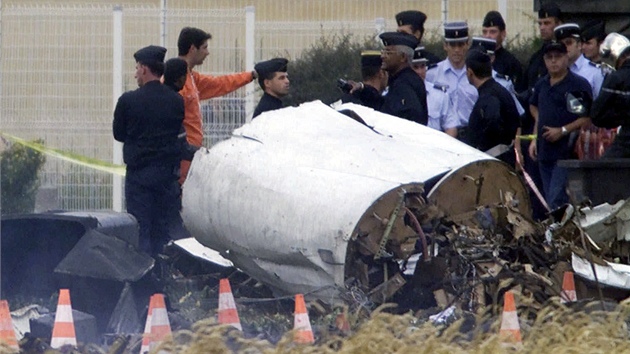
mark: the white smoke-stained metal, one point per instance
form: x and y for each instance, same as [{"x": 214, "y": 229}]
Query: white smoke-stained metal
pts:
[{"x": 284, "y": 196}]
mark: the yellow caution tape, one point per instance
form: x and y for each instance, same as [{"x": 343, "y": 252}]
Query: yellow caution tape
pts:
[
  {"x": 528, "y": 137},
  {"x": 77, "y": 159}
]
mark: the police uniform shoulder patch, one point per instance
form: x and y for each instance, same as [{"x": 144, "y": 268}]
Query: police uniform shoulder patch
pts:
[
  {"x": 431, "y": 66},
  {"x": 593, "y": 64},
  {"x": 501, "y": 76},
  {"x": 440, "y": 87}
]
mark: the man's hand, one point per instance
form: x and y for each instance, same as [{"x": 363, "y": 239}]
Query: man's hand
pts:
[
  {"x": 533, "y": 152},
  {"x": 356, "y": 86},
  {"x": 552, "y": 134}
]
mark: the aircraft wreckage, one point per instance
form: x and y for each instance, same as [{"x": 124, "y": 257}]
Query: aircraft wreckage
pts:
[{"x": 312, "y": 199}]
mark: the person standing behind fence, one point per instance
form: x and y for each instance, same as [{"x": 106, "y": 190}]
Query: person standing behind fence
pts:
[
  {"x": 274, "y": 80},
  {"x": 192, "y": 46},
  {"x": 148, "y": 121}
]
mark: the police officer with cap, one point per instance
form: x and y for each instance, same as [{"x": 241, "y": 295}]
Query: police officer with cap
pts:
[
  {"x": 148, "y": 121},
  {"x": 488, "y": 46},
  {"x": 412, "y": 22},
  {"x": 452, "y": 72},
  {"x": 593, "y": 34},
  {"x": 494, "y": 119},
  {"x": 610, "y": 109},
  {"x": 406, "y": 97},
  {"x": 569, "y": 34},
  {"x": 374, "y": 78},
  {"x": 274, "y": 80},
  {"x": 504, "y": 62},
  {"x": 441, "y": 116},
  {"x": 549, "y": 17}
]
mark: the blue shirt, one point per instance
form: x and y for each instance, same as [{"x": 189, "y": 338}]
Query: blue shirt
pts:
[
  {"x": 591, "y": 72},
  {"x": 440, "y": 113},
  {"x": 507, "y": 83},
  {"x": 551, "y": 102},
  {"x": 461, "y": 93}
]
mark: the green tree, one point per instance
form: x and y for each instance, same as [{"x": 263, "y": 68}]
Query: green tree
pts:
[{"x": 19, "y": 169}]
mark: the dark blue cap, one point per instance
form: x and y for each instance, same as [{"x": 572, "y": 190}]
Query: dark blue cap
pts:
[
  {"x": 398, "y": 38},
  {"x": 494, "y": 19},
  {"x": 456, "y": 32},
  {"x": 411, "y": 17},
  {"x": 150, "y": 54},
  {"x": 488, "y": 45},
  {"x": 271, "y": 66}
]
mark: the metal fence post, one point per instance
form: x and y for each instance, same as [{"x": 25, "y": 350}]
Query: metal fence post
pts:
[
  {"x": 163, "y": 9},
  {"x": 250, "y": 40},
  {"x": 117, "y": 82}
]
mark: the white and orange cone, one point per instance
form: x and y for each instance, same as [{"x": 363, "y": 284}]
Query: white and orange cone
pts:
[
  {"x": 568, "y": 293},
  {"x": 160, "y": 325},
  {"x": 510, "y": 329},
  {"x": 301, "y": 323},
  {"x": 7, "y": 333},
  {"x": 63, "y": 330},
  {"x": 227, "y": 307},
  {"x": 146, "y": 338}
]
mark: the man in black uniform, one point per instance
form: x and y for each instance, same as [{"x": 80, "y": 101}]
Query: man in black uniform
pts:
[
  {"x": 274, "y": 80},
  {"x": 148, "y": 121},
  {"x": 610, "y": 108},
  {"x": 412, "y": 22},
  {"x": 494, "y": 118},
  {"x": 505, "y": 63},
  {"x": 593, "y": 34},
  {"x": 407, "y": 95},
  {"x": 373, "y": 76}
]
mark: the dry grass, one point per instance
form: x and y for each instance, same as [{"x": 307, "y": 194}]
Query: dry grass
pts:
[{"x": 557, "y": 329}]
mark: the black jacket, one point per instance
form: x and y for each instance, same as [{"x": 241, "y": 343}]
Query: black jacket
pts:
[
  {"x": 612, "y": 107},
  {"x": 505, "y": 63},
  {"x": 148, "y": 122},
  {"x": 494, "y": 118},
  {"x": 406, "y": 98},
  {"x": 267, "y": 103}
]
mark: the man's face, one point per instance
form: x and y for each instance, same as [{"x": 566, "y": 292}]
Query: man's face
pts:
[
  {"x": 409, "y": 30},
  {"x": 199, "y": 54},
  {"x": 392, "y": 59},
  {"x": 590, "y": 49},
  {"x": 494, "y": 33},
  {"x": 546, "y": 26},
  {"x": 456, "y": 52},
  {"x": 278, "y": 86},
  {"x": 573, "y": 48},
  {"x": 556, "y": 62},
  {"x": 139, "y": 75},
  {"x": 420, "y": 69}
]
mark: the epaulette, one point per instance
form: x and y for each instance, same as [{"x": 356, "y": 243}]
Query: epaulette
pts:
[
  {"x": 440, "y": 87},
  {"x": 501, "y": 76},
  {"x": 592, "y": 63},
  {"x": 431, "y": 66},
  {"x": 605, "y": 68}
]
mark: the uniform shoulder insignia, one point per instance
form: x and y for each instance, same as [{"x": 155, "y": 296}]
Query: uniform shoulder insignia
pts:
[
  {"x": 501, "y": 76},
  {"x": 431, "y": 66},
  {"x": 440, "y": 87},
  {"x": 593, "y": 64}
]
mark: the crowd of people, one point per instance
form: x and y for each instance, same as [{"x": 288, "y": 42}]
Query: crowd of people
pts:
[{"x": 479, "y": 93}]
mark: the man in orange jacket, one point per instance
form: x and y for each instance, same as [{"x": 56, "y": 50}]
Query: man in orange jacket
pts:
[{"x": 192, "y": 46}]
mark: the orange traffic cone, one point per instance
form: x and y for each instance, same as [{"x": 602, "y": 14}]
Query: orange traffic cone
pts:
[
  {"x": 7, "y": 333},
  {"x": 146, "y": 338},
  {"x": 301, "y": 323},
  {"x": 568, "y": 293},
  {"x": 160, "y": 325},
  {"x": 227, "y": 307},
  {"x": 63, "y": 330},
  {"x": 510, "y": 329}
]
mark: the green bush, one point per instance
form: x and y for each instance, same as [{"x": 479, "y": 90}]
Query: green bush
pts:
[{"x": 19, "y": 167}]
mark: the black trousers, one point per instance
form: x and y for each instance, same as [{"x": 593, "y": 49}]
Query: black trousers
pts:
[{"x": 153, "y": 197}]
